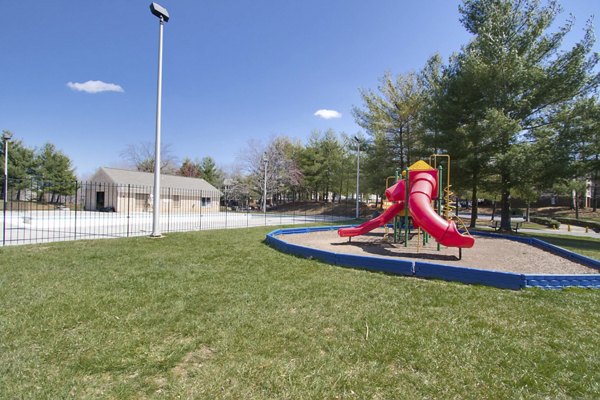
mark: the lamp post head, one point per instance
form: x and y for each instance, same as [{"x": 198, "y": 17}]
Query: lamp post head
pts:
[
  {"x": 6, "y": 135},
  {"x": 159, "y": 11}
]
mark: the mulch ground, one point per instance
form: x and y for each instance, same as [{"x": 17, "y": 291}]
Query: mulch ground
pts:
[{"x": 487, "y": 253}]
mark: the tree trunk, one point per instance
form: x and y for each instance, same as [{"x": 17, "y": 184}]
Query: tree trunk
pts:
[
  {"x": 403, "y": 165},
  {"x": 527, "y": 211},
  {"x": 576, "y": 201},
  {"x": 493, "y": 209},
  {"x": 457, "y": 204},
  {"x": 595, "y": 189},
  {"x": 505, "y": 205},
  {"x": 474, "y": 207}
]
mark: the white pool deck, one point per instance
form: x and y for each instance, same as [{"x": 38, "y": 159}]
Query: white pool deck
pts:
[{"x": 42, "y": 226}]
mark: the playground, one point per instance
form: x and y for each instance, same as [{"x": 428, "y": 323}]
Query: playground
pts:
[
  {"x": 490, "y": 253},
  {"x": 418, "y": 235}
]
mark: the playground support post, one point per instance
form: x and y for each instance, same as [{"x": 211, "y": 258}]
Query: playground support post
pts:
[
  {"x": 440, "y": 191},
  {"x": 406, "y": 209},
  {"x": 397, "y": 224}
]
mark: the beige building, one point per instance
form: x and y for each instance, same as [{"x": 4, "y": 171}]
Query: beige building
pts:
[{"x": 125, "y": 191}]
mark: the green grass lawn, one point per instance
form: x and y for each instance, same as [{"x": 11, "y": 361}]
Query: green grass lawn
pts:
[
  {"x": 218, "y": 314},
  {"x": 583, "y": 245}
]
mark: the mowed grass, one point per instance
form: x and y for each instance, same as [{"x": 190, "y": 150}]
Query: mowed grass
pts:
[
  {"x": 586, "y": 246},
  {"x": 219, "y": 314}
]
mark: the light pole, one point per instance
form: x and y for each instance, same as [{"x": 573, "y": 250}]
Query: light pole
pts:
[
  {"x": 163, "y": 17},
  {"x": 6, "y": 136},
  {"x": 357, "y": 176},
  {"x": 266, "y": 162}
]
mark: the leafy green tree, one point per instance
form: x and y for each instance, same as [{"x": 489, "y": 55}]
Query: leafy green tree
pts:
[
  {"x": 210, "y": 172},
  {"x": 55, "y": 172},
  {"x": 322, "y": 163},
  {"x": 582, "y": 128},
  {"x": 20, "y": 166},
  {"x": 376, "y": 165},
  {"x": 508, "y": 82},
  {"x": 392, "y": 115}
]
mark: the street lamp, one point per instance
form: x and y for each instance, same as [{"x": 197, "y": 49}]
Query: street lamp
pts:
[
  {"x": 163, "y": 17},
  {"x": 6, "y": 136},
  {"x": 357, "y": 175},
  {"x": 266, "y": 162}
]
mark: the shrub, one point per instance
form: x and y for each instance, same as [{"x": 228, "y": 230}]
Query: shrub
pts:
[
  {"x": 593, "y": 225},
  {"x": 549, "y": 222}
]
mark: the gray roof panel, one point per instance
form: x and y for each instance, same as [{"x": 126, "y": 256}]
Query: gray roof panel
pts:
[{"x": 124, "y": 176}]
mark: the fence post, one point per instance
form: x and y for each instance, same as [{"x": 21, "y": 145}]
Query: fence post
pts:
[
  {"x": 75, "y": 222},
  {"x": 200, "y": 209},
  {"x": 169, "y": 210},
  {"x": 226, "y": 209},
  {"x": 5, "y": 200},
  {"x": 128, "y": 202}
]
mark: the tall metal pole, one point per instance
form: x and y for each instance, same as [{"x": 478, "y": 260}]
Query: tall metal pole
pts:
[
  {"x": 357, "y": 178},
  {"x": 156, "y": 201},
  {"x": 5, "y": 198},
  {"x": 266, "y": 161}
]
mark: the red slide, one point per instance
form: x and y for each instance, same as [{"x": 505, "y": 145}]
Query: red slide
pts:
[
  {"x": 423, "y": 185},
  {"x": 376, "y": 222}
]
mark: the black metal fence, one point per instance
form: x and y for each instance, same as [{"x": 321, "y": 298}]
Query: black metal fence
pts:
[{"x": 37, "y": 212}]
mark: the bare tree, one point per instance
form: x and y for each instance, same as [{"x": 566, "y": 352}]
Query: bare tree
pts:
[
  {"x": 278, "y": 157},
  {"x": 141, "y": 157},
  {"x": 190, "y": 169}
]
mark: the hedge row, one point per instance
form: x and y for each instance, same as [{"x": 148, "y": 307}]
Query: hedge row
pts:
[
  {"x": 549, "y": 222},
  {"x": 593, "y": 225}
]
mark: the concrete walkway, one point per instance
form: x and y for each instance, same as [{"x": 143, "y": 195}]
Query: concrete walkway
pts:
[{"x": 563, "y": 230}]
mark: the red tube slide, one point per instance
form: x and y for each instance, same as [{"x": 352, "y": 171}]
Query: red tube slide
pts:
[
  {"x": 376, "y": 222},
  {"x": 423, "y": 185}
]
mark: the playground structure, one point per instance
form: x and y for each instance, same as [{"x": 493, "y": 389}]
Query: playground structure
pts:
[
  {"x": 424, "y": 196},
  {"x": 412, "y": 197}
]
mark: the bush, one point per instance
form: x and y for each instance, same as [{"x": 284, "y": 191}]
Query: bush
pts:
[
  {"x": 549, "y": 222},
  {"x": 593, "y": 225}
]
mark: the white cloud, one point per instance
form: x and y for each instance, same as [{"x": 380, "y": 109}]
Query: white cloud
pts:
[
  {"x": 327, "y": 114},
  {"x": 95, "y": 87}
]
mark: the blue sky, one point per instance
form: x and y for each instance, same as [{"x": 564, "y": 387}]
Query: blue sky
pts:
[{"x": 233, "y": 70}]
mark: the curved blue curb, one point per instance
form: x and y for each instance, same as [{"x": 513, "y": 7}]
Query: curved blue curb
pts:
[{"x": 499, "y": 279}]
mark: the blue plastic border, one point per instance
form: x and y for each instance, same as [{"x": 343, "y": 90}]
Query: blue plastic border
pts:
[
  {"x": 389, "y": 265},
  {"x": 499, "y": 279}
]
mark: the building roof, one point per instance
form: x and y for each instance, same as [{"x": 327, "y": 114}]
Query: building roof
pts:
[{"x": 125, "y": 177}]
